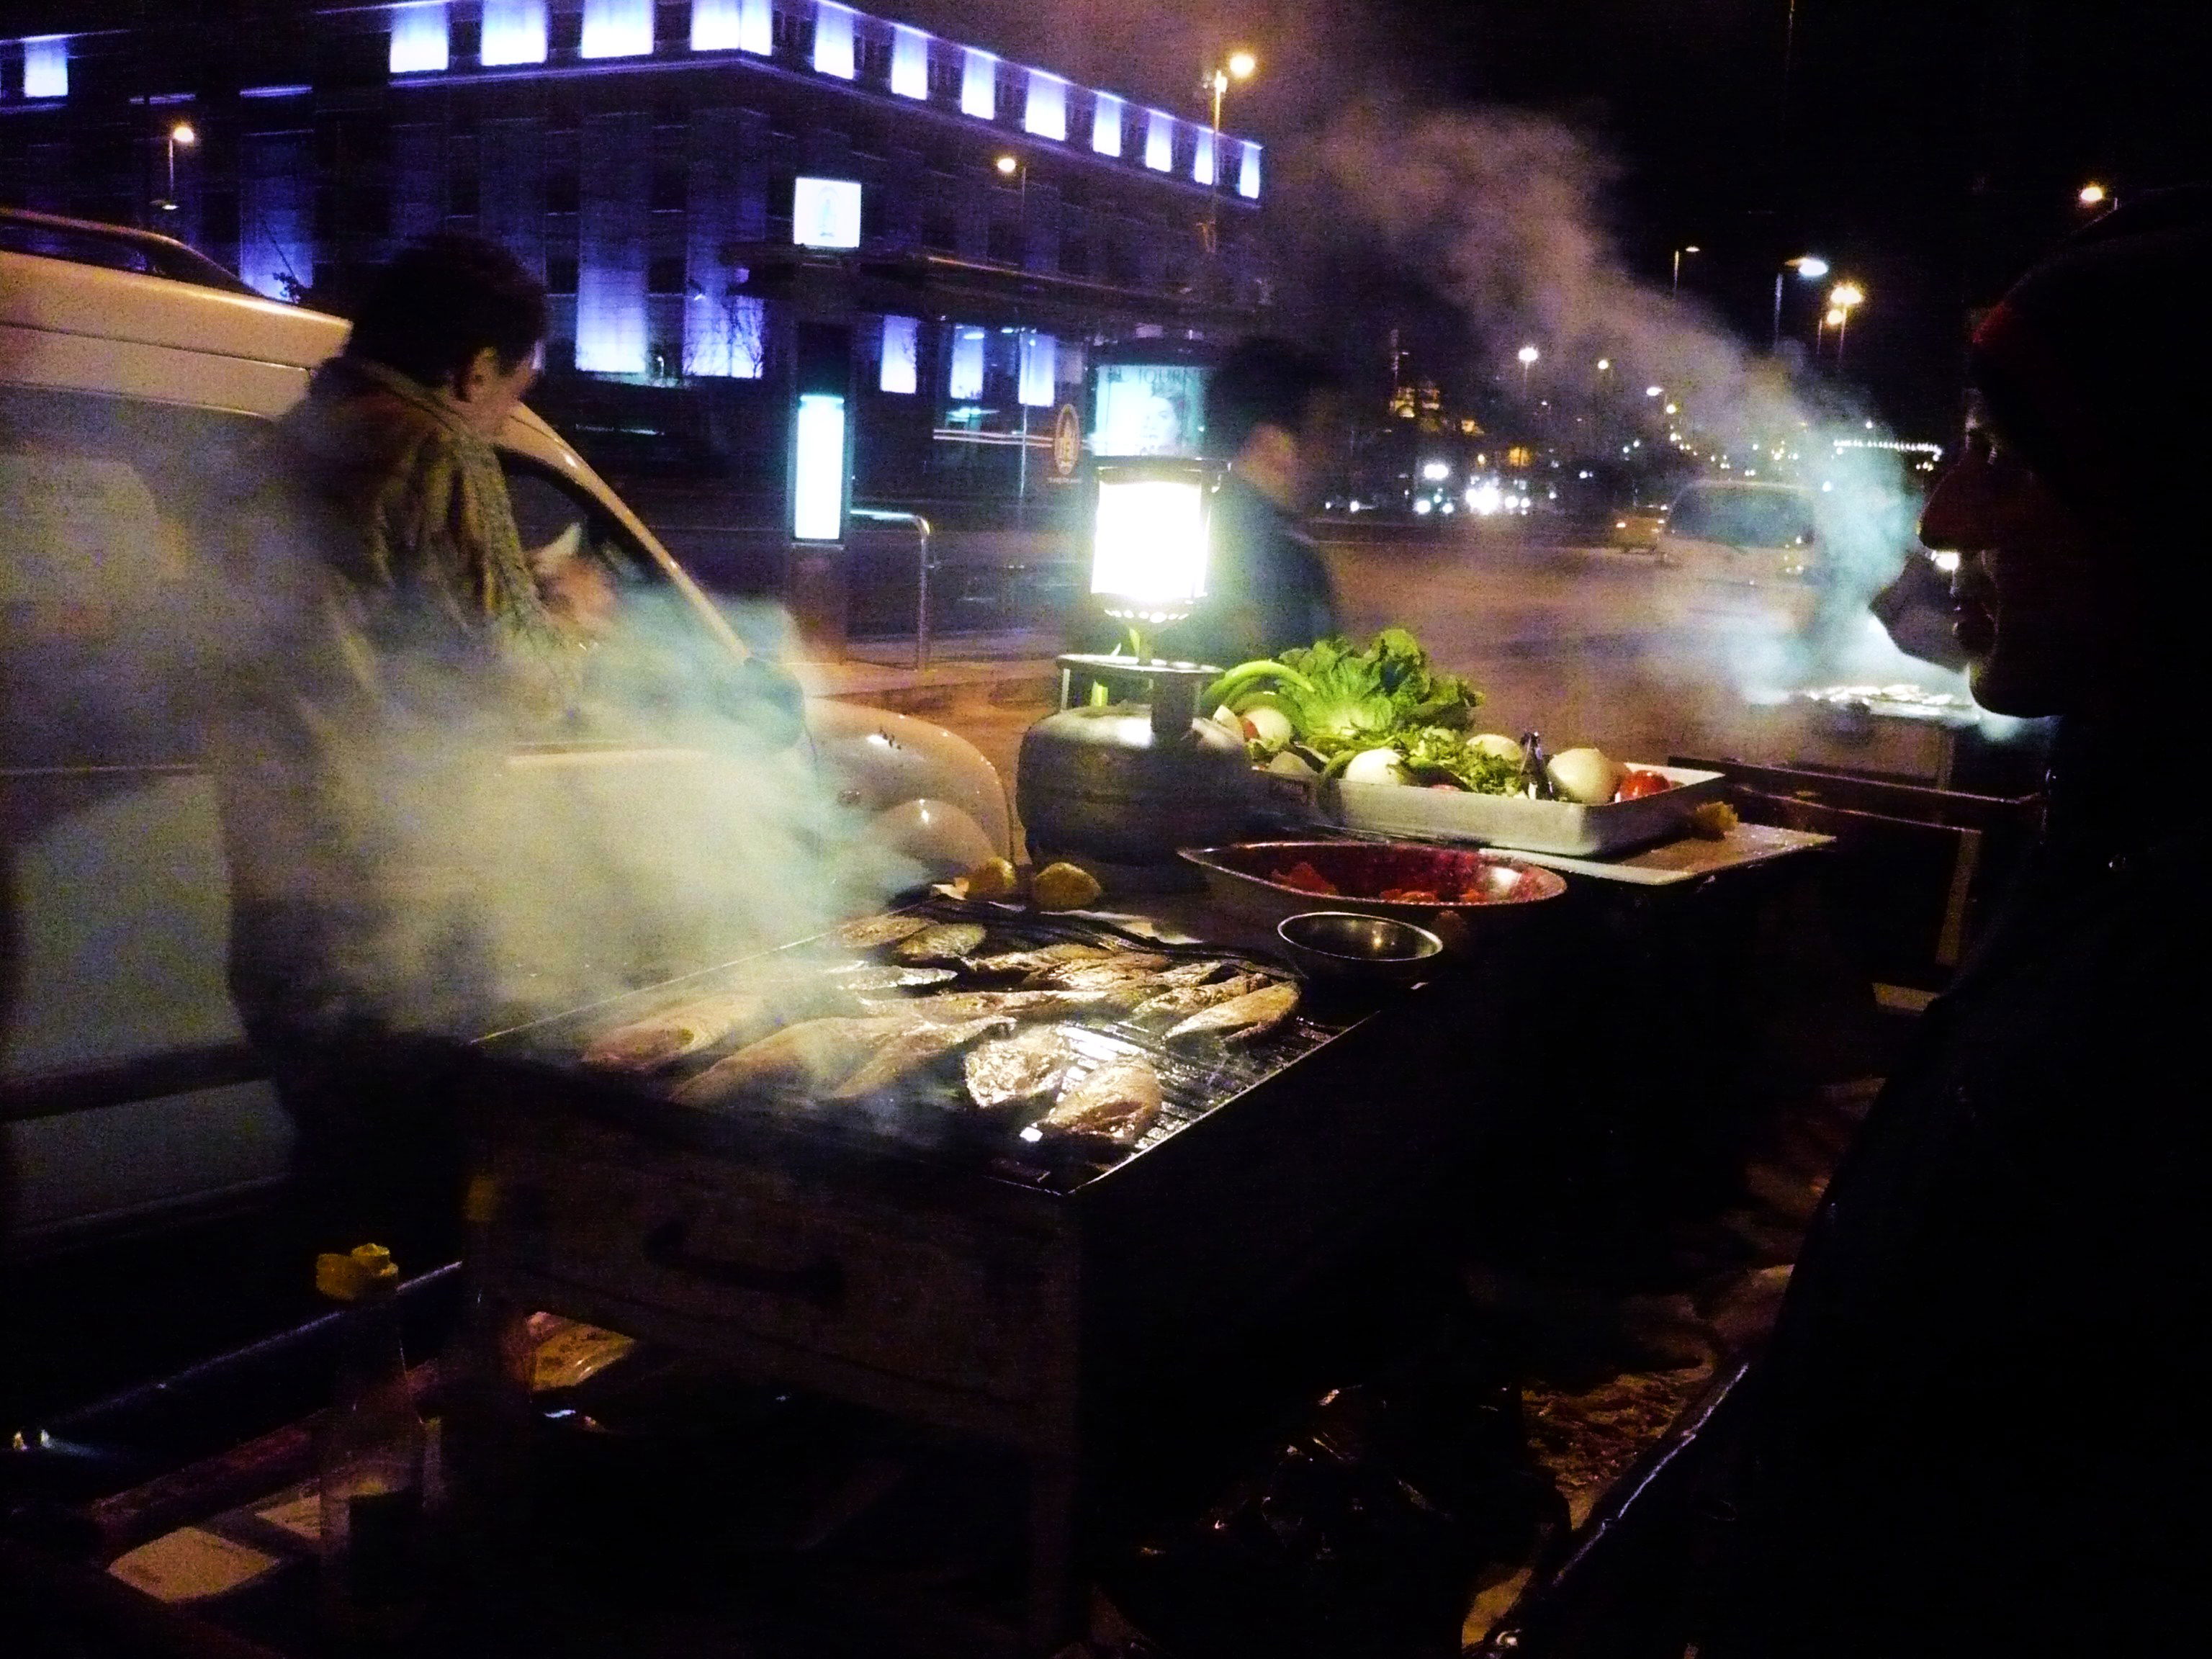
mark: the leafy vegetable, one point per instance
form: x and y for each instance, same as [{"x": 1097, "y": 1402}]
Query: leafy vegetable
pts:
[
  {"x": 1434, "y": 755},
  {"x": 1340, "y": 700}
]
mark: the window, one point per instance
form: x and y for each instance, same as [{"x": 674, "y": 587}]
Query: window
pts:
[
  {"x": 514, "y": 32},
  {"x": 833, "y": 40},
  {"x": 899, "y": 366},
  {"x": 560, "y": 273},
  {"x": 1159, "y": 141},
  {"x": 1044, "y": 112},
  {"x": 979, "y": 85},
  {"x": 909, "y": 62},
  {"x": 664, "y": 275},
  {"x": 732, "y": 25},
  {"x": 1106, "y": 124},
  {"x": 421, "y": 39},
  {"x": 1248, "y": 173},
  {"x": 616, "y": 28},
  {"x": 109, "y": 591}
]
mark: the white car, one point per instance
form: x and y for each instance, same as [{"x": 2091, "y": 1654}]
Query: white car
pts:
[
  {"x": 130, "y": 369},
  {"x": 1750, "y": 532}
]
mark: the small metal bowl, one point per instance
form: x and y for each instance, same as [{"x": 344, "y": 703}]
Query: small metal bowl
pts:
[{"x": 1344, "y": 946}]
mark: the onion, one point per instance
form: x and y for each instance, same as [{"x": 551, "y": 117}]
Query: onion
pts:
[
  {"x": 1377, "y": 766},
  {"x": 1268, "y": 727},
  {"x": 1496, "y": 744},
  {"x": 1587, "y": 775}
]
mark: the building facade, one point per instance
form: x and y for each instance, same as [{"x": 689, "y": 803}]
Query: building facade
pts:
[{"x": 697, "y": 181}]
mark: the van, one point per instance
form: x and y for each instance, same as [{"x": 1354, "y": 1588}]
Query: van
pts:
[{"x": 131, "y": 371}]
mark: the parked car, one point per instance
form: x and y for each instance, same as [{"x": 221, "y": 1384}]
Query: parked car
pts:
[
  {"x": 1748, "y": 532},
  {"x": 131, "y": 371}
]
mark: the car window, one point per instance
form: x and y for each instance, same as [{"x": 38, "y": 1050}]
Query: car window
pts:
[{"x": 104, "y": 507}]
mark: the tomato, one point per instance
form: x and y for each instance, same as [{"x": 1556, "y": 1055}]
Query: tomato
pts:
[{"x": 1639, "y": 784}]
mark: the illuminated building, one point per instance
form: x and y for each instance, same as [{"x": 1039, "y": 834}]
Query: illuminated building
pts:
[{"x": 646, "y": 157}]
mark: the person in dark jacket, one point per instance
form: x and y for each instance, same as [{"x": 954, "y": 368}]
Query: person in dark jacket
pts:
[
  {"x": 1981, "y": 1426},
  {"x": 1268, "y": 588}
]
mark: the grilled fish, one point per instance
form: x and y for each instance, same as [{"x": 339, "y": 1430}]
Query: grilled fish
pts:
[
  {"x": 643, "y": 1044},
  {"x": 1189, "y": 998},
  {"x": 1011, "y": 1071},
  {"x": 1098, "y": 975},
  {"x": 873, "y": 932},
  {"x": 811, "y": 1052},
  {"x": 1118, "y": 1102},
  {"x": 889, "y": 976},
  {"x": 1016, "y": 1004},
  {"x": 1240, "y": 1020},
  {"x": 911, "y": 1050},
  {"x": 941, "y": 941},
  {"x": 1014, "y": 964}
]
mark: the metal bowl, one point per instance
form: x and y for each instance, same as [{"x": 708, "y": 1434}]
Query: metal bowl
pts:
[{"x": 1344, "y": 946}]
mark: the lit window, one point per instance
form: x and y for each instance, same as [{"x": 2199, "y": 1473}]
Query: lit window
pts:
[
  {"x": 900, "y": 368},
  {"x": 514, "y": 32},
  {"x": 1159, "y": 141},
  {"x": 1106, "y": 124},
  {"x": 610, "y": 312},
  {"x": 979, "y": 86},
  {"x": 616, "y": 28},
  {"x": 1201, "y": 157},
  {"x": 909, "y": 62},
  {"x": 419, "y": 38},
  {"x": 1040, "y": 369},
  {"x": 1045, "y": 113},
  {"x": 825, "y": 212},
  {"x": 1248, "y": 174},
  {"x": 46, "y": 66},
  {"x": 833, "y": 40},
  {"x": 733, "y": 25},
  {"x": 967, "y": 379},
  {"x": 727, "y": 339}
]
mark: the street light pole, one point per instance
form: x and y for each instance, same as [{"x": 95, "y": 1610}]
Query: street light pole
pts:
[
  {"x": 1238, "y": 66},
  {"x": 181, "y": 132},
  {"x": 1805, "y": 264},
  {"x": 1674, "y": 291}
]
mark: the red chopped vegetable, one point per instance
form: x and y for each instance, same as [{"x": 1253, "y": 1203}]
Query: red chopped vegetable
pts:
[
  {"x": 1307, "y": 879},
  {"x": 1640, "y": 783}
]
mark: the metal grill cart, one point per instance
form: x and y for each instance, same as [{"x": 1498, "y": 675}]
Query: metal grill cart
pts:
[{"x": 972, "y": 1284}]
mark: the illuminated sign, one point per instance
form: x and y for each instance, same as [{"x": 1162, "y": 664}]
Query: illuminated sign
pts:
[
  {"x": 1149, "y": 409},
  {"x": 826, "y": 213},
  {"x": 818, "y": 469}
]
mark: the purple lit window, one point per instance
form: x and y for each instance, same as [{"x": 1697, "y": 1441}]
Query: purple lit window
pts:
[
  {"x": 514, "y": 32},
  {"x": 616, "y": 28},
  {"x": 419, "y": 38}
]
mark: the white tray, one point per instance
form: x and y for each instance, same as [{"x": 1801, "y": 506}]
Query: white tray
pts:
[{"x": 1537, "y": 826}]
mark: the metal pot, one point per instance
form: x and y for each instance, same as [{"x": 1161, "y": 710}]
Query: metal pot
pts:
[{"x": 1127, "y": 783}]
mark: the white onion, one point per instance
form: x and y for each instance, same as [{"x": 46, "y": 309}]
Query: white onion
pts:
[
  {"x": 1587, "y": 775},
  {"x": 1377, "y": 766}
]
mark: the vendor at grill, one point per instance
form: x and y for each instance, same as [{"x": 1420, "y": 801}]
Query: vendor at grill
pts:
[
  {"x": 390, "y": 636},
  {"x": 1268, "y": 588},
  {"x": 1981, "y": 1424}
]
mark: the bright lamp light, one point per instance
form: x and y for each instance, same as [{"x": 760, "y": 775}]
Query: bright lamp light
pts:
[
  {"x": 817, "y": 472},
  {"x": 1149, "y": 550}
]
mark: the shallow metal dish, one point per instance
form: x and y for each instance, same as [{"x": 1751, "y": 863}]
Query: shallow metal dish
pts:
[
  {"x": 1344, "y": 946},
  {"x": 1245, "y": 877}
]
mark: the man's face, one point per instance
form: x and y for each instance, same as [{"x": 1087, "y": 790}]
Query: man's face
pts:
[
  {"x": 491, "y": 391},
  {"x": 2045, "y": 615}
]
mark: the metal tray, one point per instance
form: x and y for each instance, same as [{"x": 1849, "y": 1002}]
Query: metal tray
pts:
[{"x": 1536, "y": 826}]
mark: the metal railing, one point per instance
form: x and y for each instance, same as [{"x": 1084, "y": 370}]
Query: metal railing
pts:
[{"x": 881, "y": 516}]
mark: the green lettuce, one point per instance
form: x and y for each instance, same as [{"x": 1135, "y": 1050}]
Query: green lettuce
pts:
[{"x": 1341, "y": 700}]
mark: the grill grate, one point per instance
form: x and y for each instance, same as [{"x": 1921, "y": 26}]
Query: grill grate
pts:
[{"x": 930, "y": 1112}]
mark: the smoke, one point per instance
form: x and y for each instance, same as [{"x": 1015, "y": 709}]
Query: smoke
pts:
[{"x": 1501, "y": 215}]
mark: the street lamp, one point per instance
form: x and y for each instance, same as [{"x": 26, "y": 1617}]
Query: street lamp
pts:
[
  {"x": 184, "y": 133},
  {"x": 1239, "y": 65},
  {"x": 1012, "y": 166},
  {"x": 1674, "y": 291},
  {"x": 1810, "y": 266},
  {"x": 2093, "y": 194},
  {"x": 1843, "y": 300},
  {"x": 1527, "y": 355}
]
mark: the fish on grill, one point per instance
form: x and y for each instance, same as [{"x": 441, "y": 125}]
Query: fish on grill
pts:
[
  {"x": 644, "y": 1044},
  {"x": 941, "y": 942},
  {"x": 1025, "y": 1069},
  {"x": 873, "y": 932},
  {"x": 1117, "y": 1102},
  {"x": 951, "y": 1005},
  {"x": 1015, "y": 964},
  {"x": 812, "y": 1052},
  {"x": 912, "y": 1049},
  {"x": 1105, "y": 974},
  {"x": 1188, "y": 999},
  {"x": 867, "y": 976},
  {"x": 1240, "y": 1020}
]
